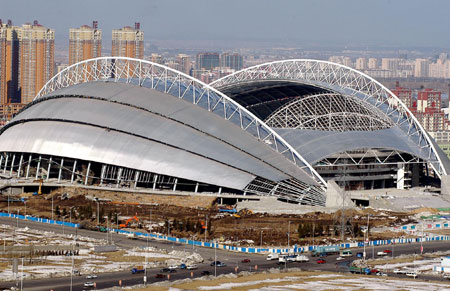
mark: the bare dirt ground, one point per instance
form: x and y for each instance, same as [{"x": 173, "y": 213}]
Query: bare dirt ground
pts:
[{"x": 187, "y": 216}]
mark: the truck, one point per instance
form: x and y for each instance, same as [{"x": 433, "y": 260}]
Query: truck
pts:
[
  {"x": 346, "y": 253},
  {"x": 328, "y": 250},
  {"x": 227, "y": 210},
  {"x": 138, "y": 269},
  {"x": 381, "y": 254},
  {"x": 301, "y": 258},
  {"x": 273, "y": 256},
  {"x": 359, "y": 270},
  {"x": 132, "y": 235}
]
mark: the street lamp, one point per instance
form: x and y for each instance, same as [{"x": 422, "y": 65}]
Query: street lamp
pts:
[
  {"x": 70, "y": 213},
  {"x": 261, "y": 240},
  {"x": 289, "y": 233}
]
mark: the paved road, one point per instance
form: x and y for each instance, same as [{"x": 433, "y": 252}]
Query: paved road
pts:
[{"x": 232, "y": 260}]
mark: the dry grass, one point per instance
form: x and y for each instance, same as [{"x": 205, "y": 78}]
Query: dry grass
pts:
[{"x": 119, "y": 256}]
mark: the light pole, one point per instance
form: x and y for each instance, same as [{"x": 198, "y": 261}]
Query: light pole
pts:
[
  {"x": 52, "y": 206},
  {"x": 25, "y": 203},
  {"x": 289, "y": 233},
  {"x": 421, "y": 239},
  {"x": 98, "y": 213},
  {"x": 261, "y": 239},
  {"x": 215, "y": 259},
  {"x": 70, "y": 213}
]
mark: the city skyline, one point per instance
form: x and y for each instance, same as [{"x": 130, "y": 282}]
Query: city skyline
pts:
[{"x": 348, "y": 22}]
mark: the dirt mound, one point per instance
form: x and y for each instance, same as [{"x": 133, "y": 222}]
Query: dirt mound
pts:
[{"x": 423, "y": 210}]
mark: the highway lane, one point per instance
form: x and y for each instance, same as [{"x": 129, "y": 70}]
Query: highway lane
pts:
[{"x": 232, "y": 260}]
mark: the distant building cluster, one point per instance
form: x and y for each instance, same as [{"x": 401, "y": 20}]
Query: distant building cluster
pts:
[
  {"x": 399, "y": 67},
  {"x": 27, "y": 58}
]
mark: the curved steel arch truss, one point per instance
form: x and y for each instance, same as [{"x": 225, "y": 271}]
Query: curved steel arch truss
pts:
[
  {"x": 167, "y": 80},
  {"x": 330, "y": 112},
  {"x": 344, "y": 80}
]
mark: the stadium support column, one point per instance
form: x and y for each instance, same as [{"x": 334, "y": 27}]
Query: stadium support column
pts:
[
  {"x": 73, "y": 171},
  {"x": 60, "y": 169},
  {"x": 154, "y": 181},
  {"x": 28, "y": 166},
  {"x": 87, "y": 173},
  {"x": 119, "y": 173},
  {"x": 20, "y": 165},
  {"x": 12, "y": 164},
  {"x": 1, "y": 161},
  {"x": 401, "y": 176},
  {"x": 136, "y": 178},
  {"x": 102, "y": 174},
  {"x": 6, "y": 163},
  {"x": 196, "y": 188},
  {"x": 175, "y": 184},
  {"x": 38, "y": 167},
  {"x": 48, "y": 169}
]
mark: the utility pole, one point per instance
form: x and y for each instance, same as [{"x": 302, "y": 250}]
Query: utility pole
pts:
[
  {"x": 343, "y": 204},
  {"x": 289, "y": 233},
  {"x": 261, "y": 240},
  {"x": 98, "y": 213},
  {"x": 52, "y": 207}
]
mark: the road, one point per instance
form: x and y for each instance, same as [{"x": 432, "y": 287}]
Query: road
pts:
[{"x": 231, "y": 259}]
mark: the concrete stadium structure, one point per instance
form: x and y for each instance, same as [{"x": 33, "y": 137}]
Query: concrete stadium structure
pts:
[{"x": 283, "y": 129}]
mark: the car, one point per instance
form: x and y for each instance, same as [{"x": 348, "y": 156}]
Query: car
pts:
[
  {"x": 159, "y": 276},
  {"x": 91, "y": 276},
  {"x": 321, "y": 261},
  {"x": 191, "y": 267},
  {"x": 399, "y": 271},
  {"x": 388, "y": 251},
  {"x": 165, "y": 270},
  {"x": 89, "y": 284},
  {"x": 359, "y": 255},
  {"x": 381, "y": 274},
  {"x": 205, "y": 273},
  {"x": 340, "y": 258},
  {"x": 411, "y": 274},
  {"x": 173, "y": 267},
  {"x": 245, "y": 261},
  {"x": 218, "y": 264},
  {"x": 172, "y": 271}
]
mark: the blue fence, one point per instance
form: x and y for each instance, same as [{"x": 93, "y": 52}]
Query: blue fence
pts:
[{"x": 251, "y": 250}]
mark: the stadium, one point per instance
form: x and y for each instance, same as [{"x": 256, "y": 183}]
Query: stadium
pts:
[{"x": 291, "y": 129}]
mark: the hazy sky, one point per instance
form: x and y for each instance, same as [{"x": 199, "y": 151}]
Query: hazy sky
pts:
[{"x": 348, "y": 22}]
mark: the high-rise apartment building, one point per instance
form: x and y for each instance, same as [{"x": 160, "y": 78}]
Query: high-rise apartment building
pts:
[
  {"x": 404, "y": 94},
  {"x": 85, "y": 43},
  {"x": 184, "y": 63},
  {"x": 421, "y": 68},
  {"x": 207, "y": 61},
  {"x": 233, "y": 61},
  {"x": 37, "y": 47},
  {"x": 26, "y": 64},
  {"x": 128, "y": 42},
  {"x": 372, "y": 64},
  {"x": 361, "y": 64}
]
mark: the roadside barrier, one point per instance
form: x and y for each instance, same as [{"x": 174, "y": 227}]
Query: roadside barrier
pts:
[{"x": 251, "y": 250}]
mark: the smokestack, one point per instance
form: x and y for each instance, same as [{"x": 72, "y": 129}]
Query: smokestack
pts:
[
  {"x": 137, "y": 25},
  {"x": 35, "y": 22},
  {"x": 95, "y": 24},
  {"x": 9, "y": 22}
]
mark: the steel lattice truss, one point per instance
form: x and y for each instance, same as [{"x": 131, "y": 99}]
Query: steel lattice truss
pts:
[
  {"x": 346, "y": 81},
  {"x": 329, "y": 112},
  {"x": 377, "y": 157},
  {"x": 180, "y": 85}
]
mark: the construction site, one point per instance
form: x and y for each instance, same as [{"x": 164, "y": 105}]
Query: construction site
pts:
[{"x": 205, "y": 218}]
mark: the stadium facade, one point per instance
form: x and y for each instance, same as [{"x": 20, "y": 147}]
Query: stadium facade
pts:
[{"x": 284, "y": 129}]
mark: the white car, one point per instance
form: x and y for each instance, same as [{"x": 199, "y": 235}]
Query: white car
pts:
[
  {"x": 381, "y": 274},
  {"x": 340, "y": 258},
  {"x": 92, "y": 276},
  {"x": 411, "y": 274},
  {"x": 399, "y": 271},
  {"x": 191, "y": 267},
  {"x": 89, "y": 284},
  {"x": 173, "y": 267}
]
